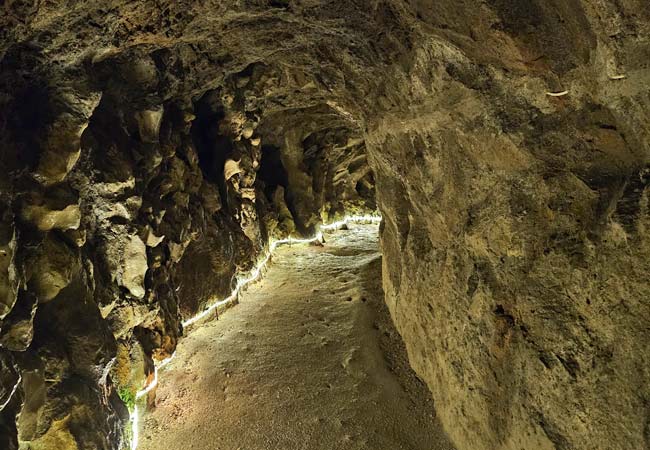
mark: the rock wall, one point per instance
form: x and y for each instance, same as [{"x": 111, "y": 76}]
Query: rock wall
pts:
[
  {"x": 139, "y": 178},
  {"x": 515, "y": 237},
  {"x": 150, "y": 149}
]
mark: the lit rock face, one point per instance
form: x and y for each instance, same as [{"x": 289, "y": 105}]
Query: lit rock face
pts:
[
  {"x": 151, "y": 149},
  {"x": 515, "y": 244}
]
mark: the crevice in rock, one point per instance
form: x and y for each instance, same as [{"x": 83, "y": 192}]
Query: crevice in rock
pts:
[
  {"x": 272, "y": 172},
  {"x": 212, "y": 148}
]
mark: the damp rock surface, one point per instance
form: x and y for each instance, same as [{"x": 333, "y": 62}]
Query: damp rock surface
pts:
[{"x": 309, "y": 359}]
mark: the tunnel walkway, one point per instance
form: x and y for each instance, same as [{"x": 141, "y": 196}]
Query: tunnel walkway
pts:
[{"x": 308, "y": 360}]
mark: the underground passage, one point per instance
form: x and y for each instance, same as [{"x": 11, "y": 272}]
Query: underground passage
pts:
[{"x": 325, "y": 225}]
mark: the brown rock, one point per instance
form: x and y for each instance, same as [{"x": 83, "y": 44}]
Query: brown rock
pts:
[
  {"x": 46, "y": 219},
  {"x": 18, "y": 327},
  {"x": 149, "y": 124},
  {"x": 9, "y": 278},
  {"x": 127, "y": 258},
  {"x": 51, "y": 268}
]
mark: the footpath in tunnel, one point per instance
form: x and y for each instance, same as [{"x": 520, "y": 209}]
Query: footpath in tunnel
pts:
[{"x": 308, "y": 360}]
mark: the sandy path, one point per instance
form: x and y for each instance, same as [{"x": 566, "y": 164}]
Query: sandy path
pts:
[{"x": 308, "y": 360}]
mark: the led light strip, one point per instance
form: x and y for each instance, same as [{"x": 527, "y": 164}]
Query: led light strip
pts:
[
  {"x": 11, "y": 394},
  {"x": 134, "y": 416},
  {"x": 154, "y": 382},
  {"x": 241, "y": 283}
]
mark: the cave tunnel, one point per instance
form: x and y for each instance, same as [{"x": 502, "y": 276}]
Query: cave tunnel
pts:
[{"x": 293, "y": 224}]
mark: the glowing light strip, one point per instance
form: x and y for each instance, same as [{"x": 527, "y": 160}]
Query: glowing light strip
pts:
[
  {"x": 13, "y": 391},
  {"x": 134, "y": 416},
  {"x": 253, "y": 275},
  {"x": 256, "y": 272},
  {"x": 154, "y": 382}
]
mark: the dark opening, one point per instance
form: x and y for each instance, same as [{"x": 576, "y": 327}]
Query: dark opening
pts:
[
  {"x": 365, "y": 187},
  {"x": 211, "y": 146},
  {"x": 272, "y": 172},
  {"x": 25, "y": 114}
]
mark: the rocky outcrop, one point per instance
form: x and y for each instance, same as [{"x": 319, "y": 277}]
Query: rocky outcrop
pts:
[
  {"x": 151, "y": 149},
  {"x": 514, "y": 239}
]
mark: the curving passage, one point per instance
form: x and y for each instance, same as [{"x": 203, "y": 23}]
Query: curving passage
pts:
[
  {"x": 150, "y": 150},
  {"x": 242, "y": 280},
  {"x": 308, "y": 360}
]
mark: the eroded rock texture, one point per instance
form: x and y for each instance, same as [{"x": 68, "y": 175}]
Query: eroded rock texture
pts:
[{"x": 150, "y": 149}]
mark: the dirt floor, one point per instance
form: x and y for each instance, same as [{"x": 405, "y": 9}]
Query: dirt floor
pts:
[{"x": 308, "y": 360}]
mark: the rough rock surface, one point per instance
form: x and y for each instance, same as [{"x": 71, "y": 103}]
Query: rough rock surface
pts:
[{"x": 515, "y": 239}]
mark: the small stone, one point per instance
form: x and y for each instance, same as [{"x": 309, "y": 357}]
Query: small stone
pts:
[
  {"x": 55, "y": 166},
  {"x": 227, "y": 99},
  {"x": 247, "y": 132},
  {"x": 231, "y": 168},
  {"x": 248, "y": 193},
  {"x": 51, "y": 268},
  {"x": 149, "y": 124},
  {"x": 46, "y": 219},
  {"x": 150, "y": 239}
]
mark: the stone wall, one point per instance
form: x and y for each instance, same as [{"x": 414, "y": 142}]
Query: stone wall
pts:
[
  {"x": 130, "y": 199},
  {"x": 515, "y": 246}
]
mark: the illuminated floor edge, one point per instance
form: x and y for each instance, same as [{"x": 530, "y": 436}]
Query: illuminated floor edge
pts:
[{"x": 241, "y": 283}]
